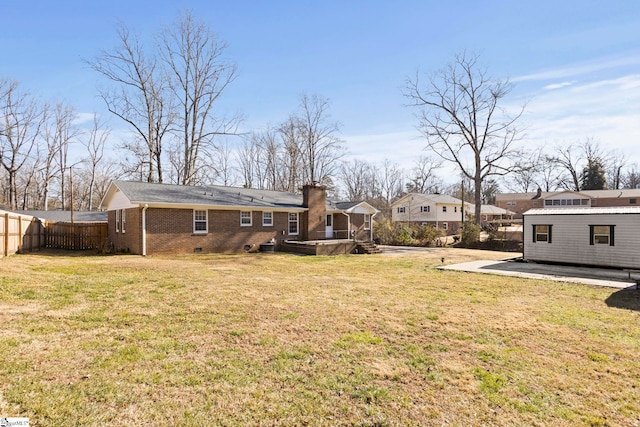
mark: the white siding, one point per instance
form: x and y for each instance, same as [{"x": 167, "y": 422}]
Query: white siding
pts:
[
  {"x": 119, "y": 201},
  {"x": 570, "y": 240},
  {"x": 412, "y": 211}
]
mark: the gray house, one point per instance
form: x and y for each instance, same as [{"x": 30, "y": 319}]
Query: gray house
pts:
[{"x": 604, "y": 237}]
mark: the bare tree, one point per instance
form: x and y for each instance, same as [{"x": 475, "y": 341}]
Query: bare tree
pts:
[
  {"x": 319, "y": 146},
  {"x": 94, "y": 143},
  {"x": 292, "y": 161},
  {"x": 461, "y": 119},
  {"x": 424, "y": 178},
  {"x": 358, "y": 178},
  {"x": 223, "y": 164},
  {"x": 389, "y": 178},
  {"x": 632, "y": 178},
  {"x": 617, "y": 161},
  {"x": 22, "y": 120},
  {"x": 139, "y": 98},
  {"x": 198, "y": 77},
  {"x": 574, "y": 158}
]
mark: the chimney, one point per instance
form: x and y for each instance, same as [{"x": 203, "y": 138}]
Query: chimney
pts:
[
  {"x": 314, "y": 198},
  {"x": 538, "y": 193}
]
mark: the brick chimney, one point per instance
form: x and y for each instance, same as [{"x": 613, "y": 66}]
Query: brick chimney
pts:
[{"x": 314, "y": 197}]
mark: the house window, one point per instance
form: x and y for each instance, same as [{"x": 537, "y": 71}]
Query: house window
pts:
[
  {"x": 329, "y": 222},
  {"x": 535, "y": 203},
  {"x": 245, "y": 218},
  {"x": 293, "y": 223},
  {"x": 267, "y": 219},
  {"x": 601, "y": 234},
  {"x": 200, "y": 221},
  {"x": 367, "y": 221},
  {"x": 542, "y": 233},
  {"x": 455, "y": 209},
  {"x": 632, "y": 201},
  {"x": 511, "y": 203},
  {"x": 425, "y": 208},
  {"x": 444, "y": 209},
  {"x": 445, "y": 225},
  {"x": 117, "y": 220},
  {"x": 123, "y": 220},
  {"x": 401, "y": 209},
  {"x": 584, "y": 202}
]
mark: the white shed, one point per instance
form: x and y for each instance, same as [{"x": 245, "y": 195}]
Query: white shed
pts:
[{"x": 606, "y": 237}]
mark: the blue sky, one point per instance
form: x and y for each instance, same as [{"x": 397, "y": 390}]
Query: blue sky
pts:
[{"x": 575, "y": 63}]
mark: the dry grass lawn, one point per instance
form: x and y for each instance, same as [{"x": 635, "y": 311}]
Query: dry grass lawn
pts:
[{"x": 276, "y": 339}]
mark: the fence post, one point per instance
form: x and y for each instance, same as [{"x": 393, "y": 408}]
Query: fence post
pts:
[{"x": 6, "y": 234}]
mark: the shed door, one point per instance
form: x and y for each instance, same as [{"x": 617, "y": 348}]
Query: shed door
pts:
[{"x": 329, "y": 227}]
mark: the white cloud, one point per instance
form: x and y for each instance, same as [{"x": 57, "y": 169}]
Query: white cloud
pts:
[
  {"x": 605, "y": 110},
  {"x": 584, "y": 68},
  {"x": 558, "y": 85}
]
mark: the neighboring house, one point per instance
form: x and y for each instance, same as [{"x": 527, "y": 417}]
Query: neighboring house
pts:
[
  {"x": 522, "y": 202},
  {"x": 602, "y": 236},
  {"x": 65, "y": 216},
  {"x": 442, "y": 211},
  {"x": 146, "y": 218}
]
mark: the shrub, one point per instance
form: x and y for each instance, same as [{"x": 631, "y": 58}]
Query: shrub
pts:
[
  {"x": 470, "y": 232},
  {"x": 405, "y": 234}
]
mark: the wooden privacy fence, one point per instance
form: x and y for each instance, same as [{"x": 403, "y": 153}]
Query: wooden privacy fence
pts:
[
  {"x": 19, "y": 233},
  {"x": 25, "y": 233},
  {"x": 77, "y": 236}
]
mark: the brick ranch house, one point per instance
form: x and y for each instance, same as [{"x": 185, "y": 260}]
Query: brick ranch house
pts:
[{"x": 148, "y": 218}]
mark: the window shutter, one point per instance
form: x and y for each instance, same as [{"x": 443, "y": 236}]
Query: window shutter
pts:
[
  {"x": 534, "y": 233},
  {"x": 549, "y": 237},
  {"x": 611, "y": 228},
  {"x": 591, "y": 234}
]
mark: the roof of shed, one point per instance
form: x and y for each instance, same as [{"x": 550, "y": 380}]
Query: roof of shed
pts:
[{"x": 584, "y": 211}]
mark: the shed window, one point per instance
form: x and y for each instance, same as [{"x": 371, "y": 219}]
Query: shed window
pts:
[
  {"x": 542, "y": 233},
  {"x": 200, "y": 221},
  {"x": 601, "y": 234},
  {"x": 267, "y": 219},
  {"x": 293, "y": 223},
  {"x": 245, "y": 218}
]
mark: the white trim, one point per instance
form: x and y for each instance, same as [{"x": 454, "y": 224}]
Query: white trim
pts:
[
  {"x": 144, "y": 230},
  {"x": 296, "y": 221},
  {"x": 243, "y": 217},
  {"x": 206, "y": 221},
  {"x": 264, "y": 224},
  {"x": 123, "y": 221}
]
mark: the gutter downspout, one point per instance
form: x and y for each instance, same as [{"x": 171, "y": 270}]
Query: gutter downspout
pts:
[
  {"x": 371, "y": 226},
  {"x": 144, "y": 230}
]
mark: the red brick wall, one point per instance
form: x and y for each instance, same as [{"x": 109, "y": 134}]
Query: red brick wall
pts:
[
  {"x": 314, "y": 197},
  {"x": 171, "y": 231},
  {"x": 129, "y": 241}
]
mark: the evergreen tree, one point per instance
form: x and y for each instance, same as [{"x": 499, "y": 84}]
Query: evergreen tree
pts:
[{"x": 593, "y": 176}]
